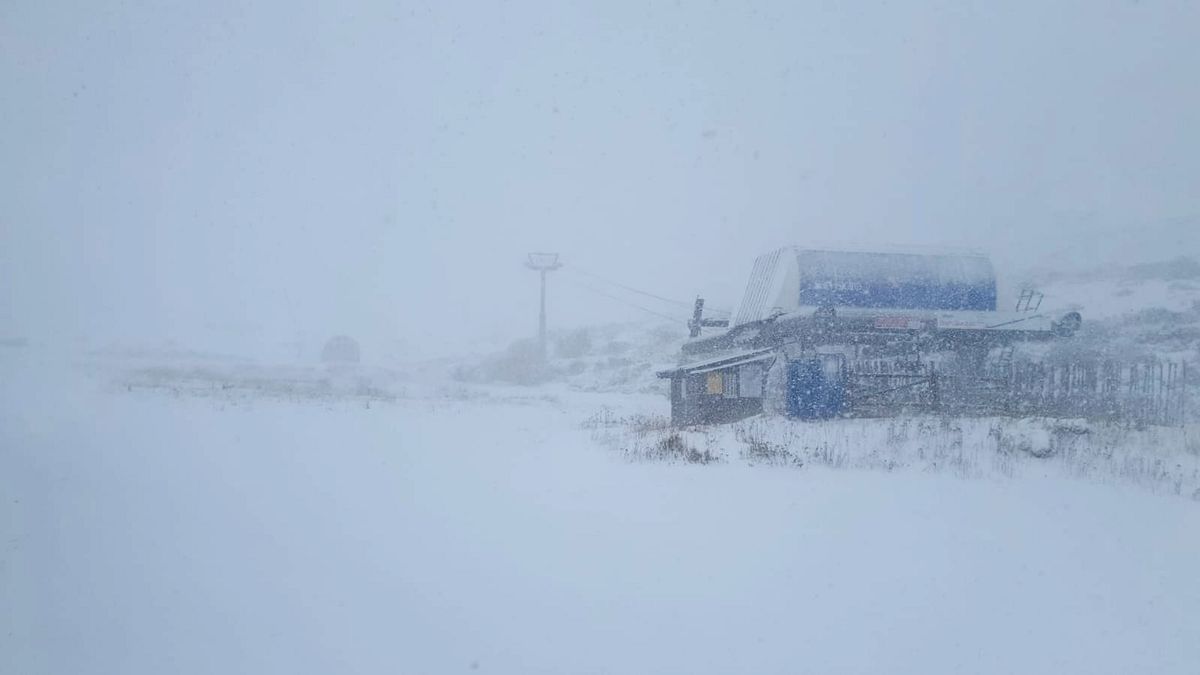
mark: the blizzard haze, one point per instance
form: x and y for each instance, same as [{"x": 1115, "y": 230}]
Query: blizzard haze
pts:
[
  {"x": 271, "y": 400},
  {"x": 228, "y": 175}
]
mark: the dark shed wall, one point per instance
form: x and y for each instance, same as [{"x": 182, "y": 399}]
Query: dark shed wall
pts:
[{"x": 691, "y": 402}]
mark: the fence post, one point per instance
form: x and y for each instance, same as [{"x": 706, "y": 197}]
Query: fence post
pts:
[
  {"x": 1183, "y": 394},
  {"x": 934, "y": 388}
]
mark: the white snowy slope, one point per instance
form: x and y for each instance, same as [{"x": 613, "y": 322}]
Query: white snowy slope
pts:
[
  {"x": 1113, "y": 291},
  {"x": 1134, "y": 311},
  {"x": 459, "y": 528}
]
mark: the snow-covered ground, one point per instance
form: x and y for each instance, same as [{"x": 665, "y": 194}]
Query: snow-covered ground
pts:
[
  {"x": 189, "y": 511},
  {"x": 183, "y": 515}
]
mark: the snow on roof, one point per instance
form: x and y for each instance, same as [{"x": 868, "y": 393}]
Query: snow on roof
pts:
[{"x": 725, "y": 360}]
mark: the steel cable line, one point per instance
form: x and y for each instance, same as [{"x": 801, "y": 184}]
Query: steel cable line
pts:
[
  {"x": 626, "y": 302},
  {"x": 631, "y": 289}
]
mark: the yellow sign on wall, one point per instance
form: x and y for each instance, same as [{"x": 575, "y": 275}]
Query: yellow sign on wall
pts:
[{"x": 715, "y": 383}]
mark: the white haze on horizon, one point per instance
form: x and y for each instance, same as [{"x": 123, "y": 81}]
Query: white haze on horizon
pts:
[{"x": 226, "y": 175}]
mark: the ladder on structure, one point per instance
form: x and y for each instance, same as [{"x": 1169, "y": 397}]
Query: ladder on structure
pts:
[
  {"x": 1005, "y": 359},
  {"x": 1030, "y": 300}
]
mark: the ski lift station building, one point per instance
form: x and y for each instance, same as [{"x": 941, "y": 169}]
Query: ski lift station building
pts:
[{"x": 823, "y": 319}]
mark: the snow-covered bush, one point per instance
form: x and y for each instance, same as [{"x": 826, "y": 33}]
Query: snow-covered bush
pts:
[
  {"x": 341, "y": 349},
  {"x": 520, "y": 363},
  {"x": 574, "y": 344}
]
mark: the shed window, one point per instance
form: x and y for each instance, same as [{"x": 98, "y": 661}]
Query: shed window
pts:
[
  {"x": 750, "y": 381},
  {"x": 730, "y": 383}
]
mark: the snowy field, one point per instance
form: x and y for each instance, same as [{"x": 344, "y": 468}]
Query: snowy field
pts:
[
  {"x": 271, "y": 400},
  {"x": 160, "y": 518}
]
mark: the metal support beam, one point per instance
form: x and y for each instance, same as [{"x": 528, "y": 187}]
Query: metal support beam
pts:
[{"x": 542, "y": 263}]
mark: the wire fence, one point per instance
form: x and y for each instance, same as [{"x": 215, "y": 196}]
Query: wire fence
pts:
[{"x": 1151, "y": 392}]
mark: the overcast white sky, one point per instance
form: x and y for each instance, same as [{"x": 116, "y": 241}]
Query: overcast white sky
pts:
[{"x": 265, "y": 170}]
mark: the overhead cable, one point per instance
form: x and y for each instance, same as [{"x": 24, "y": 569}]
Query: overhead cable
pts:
[
  {"x": 631, "y": 289},
  {"x": 627, "y": 302}
]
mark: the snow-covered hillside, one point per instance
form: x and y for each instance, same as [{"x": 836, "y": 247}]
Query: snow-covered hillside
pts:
[
  {"x": 618, "y": 358},
  {"x": 1114, "y": 291},
  {"x": 1133, "y": 311}
]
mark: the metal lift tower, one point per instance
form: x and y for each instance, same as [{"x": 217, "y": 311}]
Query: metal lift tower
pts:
[{"x": 543, "y": 263}]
